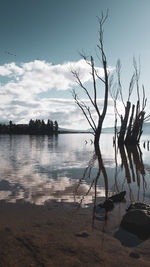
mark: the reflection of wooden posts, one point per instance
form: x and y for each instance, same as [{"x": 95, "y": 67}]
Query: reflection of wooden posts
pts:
[
  {"x": 130, "y": 162},
  {"x": 137, "y": 157},
  {"x": 137, "y": 163},
  {"x": 134, "y": 157},
  {"x": 125, "y": 163}
]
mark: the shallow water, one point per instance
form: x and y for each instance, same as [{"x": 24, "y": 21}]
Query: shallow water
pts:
[{"x": 37, "y": 169}]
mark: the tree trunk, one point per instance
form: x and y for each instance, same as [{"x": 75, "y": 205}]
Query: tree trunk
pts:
[
  {"x": 125, "y": 163},
  {"x": 97, "y": 136}
]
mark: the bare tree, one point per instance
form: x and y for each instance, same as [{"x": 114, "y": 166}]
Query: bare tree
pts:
[{"x": 96, "y": 126}]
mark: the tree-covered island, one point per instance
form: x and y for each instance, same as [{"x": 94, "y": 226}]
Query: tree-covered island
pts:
[{"x": 33, "y": 127}]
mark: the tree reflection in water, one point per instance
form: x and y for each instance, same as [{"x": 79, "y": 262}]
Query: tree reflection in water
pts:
[{"x": 131, "y": 164}]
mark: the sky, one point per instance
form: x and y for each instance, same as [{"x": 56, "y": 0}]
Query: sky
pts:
[{"x": 40, "y": 44}]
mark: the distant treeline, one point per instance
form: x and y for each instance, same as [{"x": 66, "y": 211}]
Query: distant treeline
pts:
[{"x": 33, "y": 127}]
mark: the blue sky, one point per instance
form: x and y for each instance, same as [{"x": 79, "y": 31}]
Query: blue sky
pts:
[{"x": 40, "y": 44}]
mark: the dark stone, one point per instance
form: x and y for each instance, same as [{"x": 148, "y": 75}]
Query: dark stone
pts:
[
  {"x": 139, "y": 206},
  {"x": 137, "y": 220}
]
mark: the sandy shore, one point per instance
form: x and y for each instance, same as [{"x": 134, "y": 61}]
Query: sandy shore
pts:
[{"x": 60, "y": 234}]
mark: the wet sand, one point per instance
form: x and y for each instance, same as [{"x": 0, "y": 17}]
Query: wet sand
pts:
[{"x": 59, "y": 234}]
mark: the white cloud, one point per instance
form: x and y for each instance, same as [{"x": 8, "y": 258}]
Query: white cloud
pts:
[
  {"x": 40, "y": 76},
  {"x": 20, "y": 99},
  {"x": 4, "y": 71},
  {"x": 11, "y": 69},
  {"x": 65, "y": 111}
]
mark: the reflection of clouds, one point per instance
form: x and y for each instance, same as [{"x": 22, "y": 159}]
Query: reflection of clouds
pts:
[
  {"x": 41, "y": 168},
  {"x": 4, "y": 195},
  {"x": 107, "y": 150},
  {"x": 38, "y": 168},
  {"x": 38, "y": 189}
]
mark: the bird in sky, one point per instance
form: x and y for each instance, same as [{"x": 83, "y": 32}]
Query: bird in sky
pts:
[{"x": 9, "y": 53}]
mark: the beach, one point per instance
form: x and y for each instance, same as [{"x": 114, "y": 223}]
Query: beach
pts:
[{"x": 60, "y": 234}]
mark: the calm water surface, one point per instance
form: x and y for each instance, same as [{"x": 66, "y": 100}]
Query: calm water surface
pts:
[{"x": 37, "y": 169}]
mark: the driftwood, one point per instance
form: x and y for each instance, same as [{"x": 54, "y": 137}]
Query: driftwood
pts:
[{"x": 118, "y": 197}]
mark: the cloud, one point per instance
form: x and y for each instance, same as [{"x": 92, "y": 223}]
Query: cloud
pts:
[
  {"x": 38, "y": 76},
  {"x": 65, "y": 111},
  {"x": 21, "y": 97}
]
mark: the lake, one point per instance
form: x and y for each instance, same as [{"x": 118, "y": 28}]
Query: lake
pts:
[{"x": 38, "y": 169}]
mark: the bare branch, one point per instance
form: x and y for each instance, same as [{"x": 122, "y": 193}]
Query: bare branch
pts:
[
  {"x": 137, "y": 76},
  {"x": 89, "y": 112},
  {"x": 88, "y": 109},
  {"x": 98, "y": 76},
  {"x": 144, "y": 99},
  {"x": 104, "y": 61},
  {"x": 131, "y": 85},
  {"x": 83, "y": 55},
  {"x": 114, "y": 95},
  {"x": 82, "y": 106},
  {"x": 118, "y": 71},
  {"x": 76, "y": 75}
]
